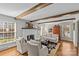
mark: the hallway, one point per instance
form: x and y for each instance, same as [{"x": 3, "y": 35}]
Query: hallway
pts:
[{"x": 67, "y": 49}]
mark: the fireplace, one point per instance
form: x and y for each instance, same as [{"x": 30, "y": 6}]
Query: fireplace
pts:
[{"x": 30, "y": 37}]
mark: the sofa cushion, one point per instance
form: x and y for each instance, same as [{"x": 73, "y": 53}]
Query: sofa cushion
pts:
[{"x": 36, "y": 42}]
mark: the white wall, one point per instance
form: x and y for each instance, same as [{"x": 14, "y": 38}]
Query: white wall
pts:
[
  {"x": 76, "y": 33},
  {"x": 19, "y": 25},
  {"x": 76, "y": 36},
  {"x": 31, "y": 32},
  {"x": 68, "y": 34},
  {"x": 7, "y": 45},
  {"x": 46, "y": 27}
]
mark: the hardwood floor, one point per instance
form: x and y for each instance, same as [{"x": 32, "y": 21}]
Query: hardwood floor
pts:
[
  {"x": 11, "y": 52},
  {"x": 66, "y": 49}
]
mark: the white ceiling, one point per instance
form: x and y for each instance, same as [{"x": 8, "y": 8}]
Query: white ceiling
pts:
[
  {"x": 52, "y": 10},
  {"x": 14, "y": 9}
]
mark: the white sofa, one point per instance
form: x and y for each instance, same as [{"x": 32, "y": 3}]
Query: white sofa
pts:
[
  {"x": 36, "y": 49},
  {"x": 53, "y": 38},
  {"x": 21, "y": 45}
]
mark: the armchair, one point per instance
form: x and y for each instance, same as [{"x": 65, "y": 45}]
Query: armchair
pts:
[
  {"x": 35, "y": 49},
  {"x": 21, "y": 45}
]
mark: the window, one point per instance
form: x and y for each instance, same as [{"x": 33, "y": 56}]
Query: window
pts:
[{"x": 7, "y": 32}]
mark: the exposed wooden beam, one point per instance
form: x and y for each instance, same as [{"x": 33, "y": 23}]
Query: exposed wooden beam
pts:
[
  {"x": 55, "y": 16},
  {"x": 57, "y": 20},
  {"x": 33, "y": 9}
]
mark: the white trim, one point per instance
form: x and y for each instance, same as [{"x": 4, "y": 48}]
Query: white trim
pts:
[{"x": 7, "y": 45}]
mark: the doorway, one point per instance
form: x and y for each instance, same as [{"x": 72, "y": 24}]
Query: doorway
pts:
[
  {"x": 67, "y": 35},
  {"x": 67, "y": 31}
]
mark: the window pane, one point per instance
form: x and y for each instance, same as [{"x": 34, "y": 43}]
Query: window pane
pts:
[{"x": 7, "y": 32}]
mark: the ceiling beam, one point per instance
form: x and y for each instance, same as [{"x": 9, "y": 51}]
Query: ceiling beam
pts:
[
  {"x": 55, "y": 16},
  {"x": 33, "y": 9},
  {"x": 58, "y": 20}
]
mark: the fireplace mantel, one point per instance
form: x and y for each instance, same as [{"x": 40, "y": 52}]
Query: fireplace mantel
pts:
[
  {"x": 34, "y": 32},
  {"x": 30, "y": 28}
]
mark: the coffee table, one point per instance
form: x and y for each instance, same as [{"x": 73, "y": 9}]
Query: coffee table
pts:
[{"x": 50, "y": 45}]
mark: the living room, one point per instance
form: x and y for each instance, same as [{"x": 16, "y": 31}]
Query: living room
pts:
[{"x": 33, "y": 29}]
